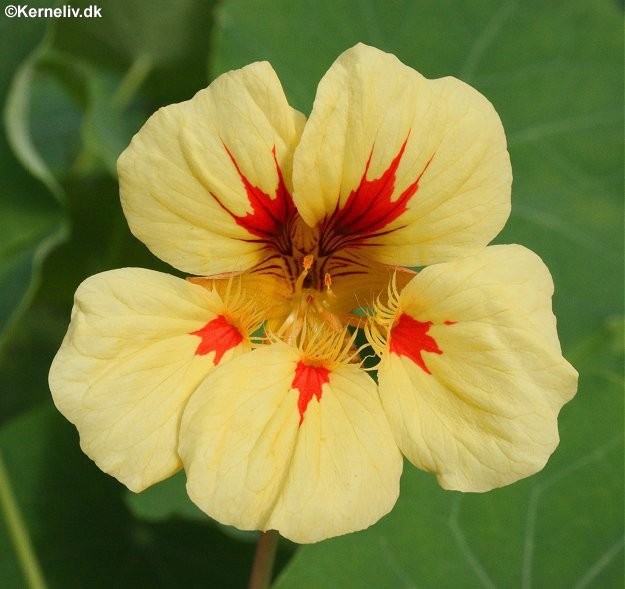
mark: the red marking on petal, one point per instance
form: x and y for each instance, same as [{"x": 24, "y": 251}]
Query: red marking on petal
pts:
[
  {"x": 270, "y": 215},
  {"x": 308, "y": 380},
  {"x": 450, "y": 322},
  {"x": 219, "y": 336},
  {"x": 410, "y": 338},
  {"x": 369, "y": 208}
]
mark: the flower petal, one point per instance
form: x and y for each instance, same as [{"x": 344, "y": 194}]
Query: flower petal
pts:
[
  {"x": 138, "y": 345},
  {"x": 205, "y": 183},
  {"x": 269, "y": 442},
  {"x": 472, "y": 378},
  {"x": 417, "y": 167}
]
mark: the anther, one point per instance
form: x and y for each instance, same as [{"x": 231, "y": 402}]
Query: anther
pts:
[{"x": 308, "y": 261}]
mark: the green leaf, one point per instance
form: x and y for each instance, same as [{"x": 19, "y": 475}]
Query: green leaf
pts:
[
  {"x": 163, "y": 46},
  {"x": 31, "y": 223},
  {"x": 107, "y": 128},
  {"x": 165, "y": 500},
  {"x": 554, "y": 72},
  {"x": 80, "y": 530},
  {"x": 168, "y": 499},
  {"x": 17, "y": 123},
  {"x": 127, "y": 29},
  {"x": 31, "y": 228}
]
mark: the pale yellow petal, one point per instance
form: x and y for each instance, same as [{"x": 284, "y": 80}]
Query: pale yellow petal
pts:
[
  {"x": 206, "y": 183},
  {"x": 417, "y": 167},
  {"x": 129, "y": 362},
  {"x": 258, "y": 457},
  {"x": 472, "y": 378}
]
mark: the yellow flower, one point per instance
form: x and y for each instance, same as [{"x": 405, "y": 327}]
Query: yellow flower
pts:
[{"x": 296, "y": 232}]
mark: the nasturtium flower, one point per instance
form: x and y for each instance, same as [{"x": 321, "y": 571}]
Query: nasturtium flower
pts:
[{"x": 299, "y": 235}]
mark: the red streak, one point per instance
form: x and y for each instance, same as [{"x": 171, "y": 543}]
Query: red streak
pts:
[
  {"x": 269, "y": 214},
  {"x": 218, "y": 336},
  {"x": 309, "y": 381},
  {"x": 369, "y": 208},
  {"x": 410, "y": 338}
]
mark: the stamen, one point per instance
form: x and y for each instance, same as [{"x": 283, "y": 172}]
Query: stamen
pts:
[
  {"x": 307, "y": 263},
  {"x": 376, "y": 340},
  {"x": 382, "y": 317},
  {"x": 328, "y": 346}
]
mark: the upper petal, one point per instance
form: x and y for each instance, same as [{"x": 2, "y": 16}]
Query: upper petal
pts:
[
  {"x": 270, "y": 442},
  {"x": 472, "y": 378},
  {"x": 205, "y": 183},
  {"x": 138, "y": 345},
  {"x": 417, "y": 167}
]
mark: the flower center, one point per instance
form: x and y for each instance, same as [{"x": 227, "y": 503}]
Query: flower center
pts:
[{"x": 309, "y": 302}]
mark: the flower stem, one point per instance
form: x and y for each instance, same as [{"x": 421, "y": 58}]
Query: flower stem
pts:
[
  {"x": 18, "y": 533},
  {"x": 262, "y": 569}
]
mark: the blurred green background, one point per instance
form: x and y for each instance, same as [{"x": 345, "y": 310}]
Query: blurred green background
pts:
[{"x": 73, "y": 93}]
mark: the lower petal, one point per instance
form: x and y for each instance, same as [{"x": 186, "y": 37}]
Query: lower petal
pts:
[
  {"x": 138, "y": 345},
  {"x": 269, "y": 443},
  {"x": 472, "y": 378}
]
